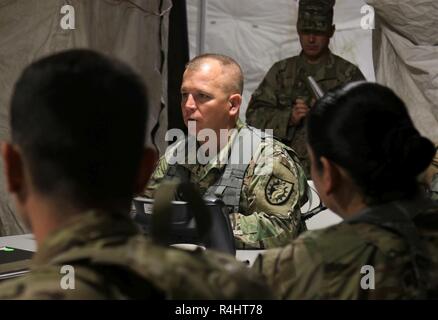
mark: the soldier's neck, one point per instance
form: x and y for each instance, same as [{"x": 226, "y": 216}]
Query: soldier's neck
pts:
[
  {"x": 222, "y": 139},
  {"x": 46, "y": 216},
  {"x": 347, "y": 200},
  {"x": 317, "y": 60},
  {"x": 352, "y": 208}
]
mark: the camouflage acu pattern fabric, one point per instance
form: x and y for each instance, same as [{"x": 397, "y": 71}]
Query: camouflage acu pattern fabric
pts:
[
  {"x": 271, "y": 104},
  {"x": 112, "y": 260},
  {"x": 315, "y": 16},
  {"x": 269, "y": 211},
  {"x": 327, "y": 263}
]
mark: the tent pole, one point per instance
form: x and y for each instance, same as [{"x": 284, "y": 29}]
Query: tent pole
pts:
[{"x": 202, "y": 18}]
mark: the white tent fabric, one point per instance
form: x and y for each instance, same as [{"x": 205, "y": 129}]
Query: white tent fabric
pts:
[
  {"x": 406, "y": 56},
  {"x": 258, "y": 33},
  {"x": 133, "y": 31}
]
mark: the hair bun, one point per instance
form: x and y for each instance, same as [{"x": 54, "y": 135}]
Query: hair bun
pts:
[
  {"x": 418, "y": 154},
  {"x": 407, "y": 151}
]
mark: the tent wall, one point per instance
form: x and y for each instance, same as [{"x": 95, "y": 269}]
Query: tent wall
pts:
[
  {"x": 258, "y": 33},
  {"x": 406, "y": 56},
  {"x": 133, "y": 31}
]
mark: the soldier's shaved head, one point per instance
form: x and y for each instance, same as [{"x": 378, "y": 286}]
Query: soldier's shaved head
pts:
[{"x": 229, "y": 67}]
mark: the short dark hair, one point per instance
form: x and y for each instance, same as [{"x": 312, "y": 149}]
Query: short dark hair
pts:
[
  {"x": 366, "y": 129},
  {"x": 80, "y": 120},
  {"x": 225, "y": 61}
]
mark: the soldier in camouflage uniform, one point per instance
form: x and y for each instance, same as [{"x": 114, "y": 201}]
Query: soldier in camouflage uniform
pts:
[
  {"x": 283, "y": 98},
  {"x": 268, "y": 212},
  {"x": 387, "y": 245},
  {"x": 73, "y": 176}
]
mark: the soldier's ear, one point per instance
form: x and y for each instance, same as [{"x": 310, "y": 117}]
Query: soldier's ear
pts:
[
  {"x": 235, "y": 100},
  {"x": 13, "y": 167},
  {"x": 330, "y": 176},
  {"x": 332, "y": 31},
  {"x": 147, "y": 165}
]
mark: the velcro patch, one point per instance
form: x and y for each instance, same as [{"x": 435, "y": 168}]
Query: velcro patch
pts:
[{"x": 278, "y": 191}]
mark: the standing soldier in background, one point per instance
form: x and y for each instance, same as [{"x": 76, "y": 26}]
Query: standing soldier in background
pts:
[{"x": 283, "y": 99}]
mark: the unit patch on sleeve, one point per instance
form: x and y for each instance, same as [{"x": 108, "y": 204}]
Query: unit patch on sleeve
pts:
[{"x": 278, "y": 191}]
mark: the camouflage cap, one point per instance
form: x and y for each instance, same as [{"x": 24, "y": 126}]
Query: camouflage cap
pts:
[{"x": 315, "y": 16}]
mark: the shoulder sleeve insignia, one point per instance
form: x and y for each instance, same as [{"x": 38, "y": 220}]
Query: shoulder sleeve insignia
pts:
[{"x": 278, "y": 191}]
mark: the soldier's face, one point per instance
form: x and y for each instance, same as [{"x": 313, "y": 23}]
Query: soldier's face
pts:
[
  {"x": 334, "y": 185},
  {"x": 314, "y": 169},
  {"x": 321, "y": 179},
  {"x": 314, "y": 45},
  {"x": 204, "y": 98}
]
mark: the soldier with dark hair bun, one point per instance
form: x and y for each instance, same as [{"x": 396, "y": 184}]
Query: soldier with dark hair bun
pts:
[{"x": 365, "y": 156}]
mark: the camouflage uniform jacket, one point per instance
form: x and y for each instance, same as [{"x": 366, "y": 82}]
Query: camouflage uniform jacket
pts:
[
  {"x": 112, "y": 260},
  {"x": 269, "y": 210},
  {"x": 327, "y": 263},
  {"x": 270, "y": 106}
]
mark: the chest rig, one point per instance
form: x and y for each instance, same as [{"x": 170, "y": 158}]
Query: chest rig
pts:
[{"x": 229, "y": 185}]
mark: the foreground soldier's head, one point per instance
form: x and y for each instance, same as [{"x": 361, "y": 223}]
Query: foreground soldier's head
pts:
[{"x": 78, "y": 122}]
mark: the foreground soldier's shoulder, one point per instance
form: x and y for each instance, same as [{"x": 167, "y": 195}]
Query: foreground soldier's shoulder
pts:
[
  {"x": 290, "y": 268},
  {"x": 13, "y": 288},
  {"x": 246, "y": 283},
  {"x": 208, "y": 274},
  {"x": 48, "y": 283},
  {"x": 339, "y": 240},
  {"x": 232, "y": 278}
]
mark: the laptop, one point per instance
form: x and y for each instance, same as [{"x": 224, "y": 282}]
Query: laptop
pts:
[{"x": 14, "y": 262}]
